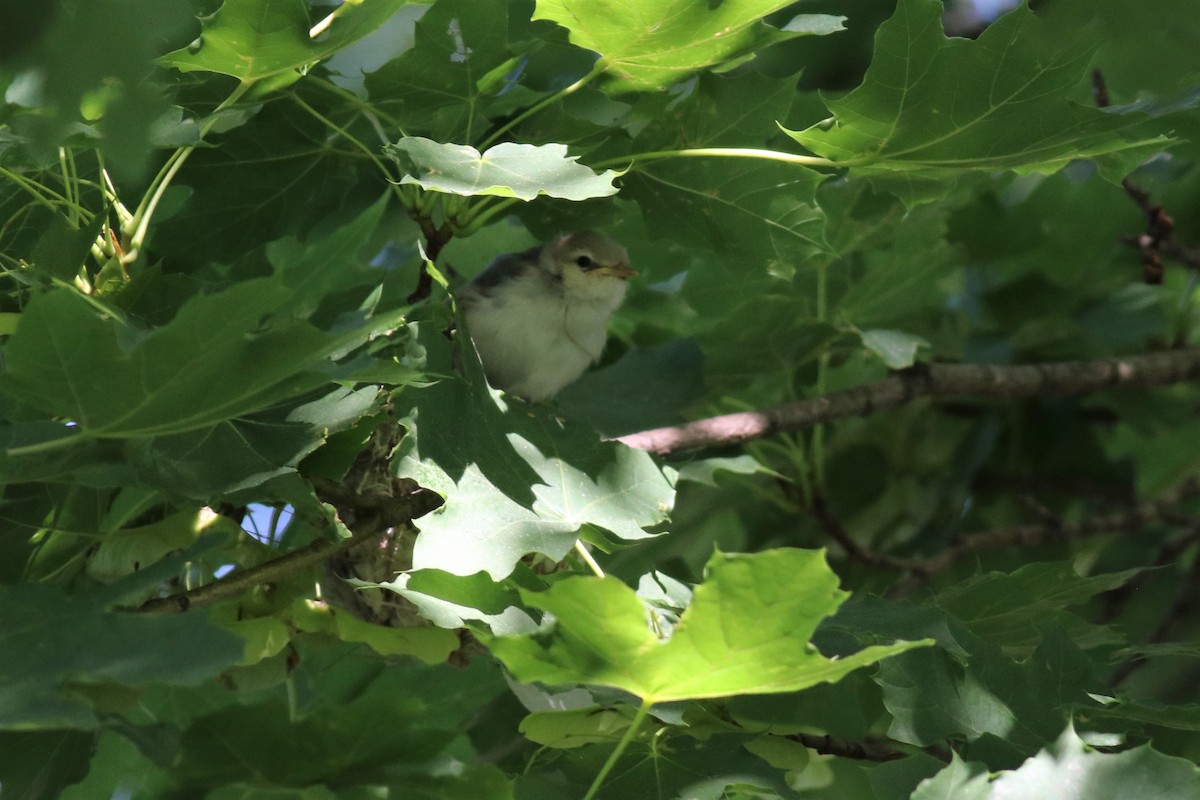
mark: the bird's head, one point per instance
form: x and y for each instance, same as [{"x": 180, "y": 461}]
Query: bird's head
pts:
[{"x": 587, "y": 257}]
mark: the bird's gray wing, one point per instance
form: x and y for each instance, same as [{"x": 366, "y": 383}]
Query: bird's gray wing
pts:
[{"x": 501, "y": 270}]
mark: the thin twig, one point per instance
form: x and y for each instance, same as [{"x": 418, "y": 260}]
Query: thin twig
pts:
[
  {"x": 931, "y": 380},
  {"x": 854, "y": 550},
  {"x": 382, "y": 515},
  {"x": 243, "y": 580},
  {"x": 1159, "y": 226},
  {"x": 1099, "y": 89},
  {"x": 1156, "y": 242},
  {"x": 861, "y": 751},
  {"x": 1040, "y": 533},
  {"x": 435, "y": 239},
  {"x": 1164, "y": 509},
  {"x": 1181, "y": 253}
]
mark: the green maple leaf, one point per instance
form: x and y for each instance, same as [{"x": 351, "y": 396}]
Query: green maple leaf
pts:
[
  {"x": 746, "y": 631},
  {"x": 931, "y": 107},
  {"x": 653, "y": 45}
]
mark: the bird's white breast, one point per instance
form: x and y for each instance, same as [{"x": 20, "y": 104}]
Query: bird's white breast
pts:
[{"x": 535, "y": 335}]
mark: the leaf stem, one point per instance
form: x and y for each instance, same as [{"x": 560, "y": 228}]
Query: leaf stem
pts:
[
  {"x": 145, "y": 210},
  {"x": 597, "y": 68},
  {"x": 344, "y": 134},
  {"x": 66, "y": 163},
  {"x": 613, "y": 757},
  {"x": 372, "y": 114},
  {"x": 720, "y": 152},
  {"x": 46, "y": 446},
  {"x": 109, "y": 190},
  {"x": 581, "y": 548},
  {"x": 480, "y": 219},
  {"x": 40, "y": 193}
]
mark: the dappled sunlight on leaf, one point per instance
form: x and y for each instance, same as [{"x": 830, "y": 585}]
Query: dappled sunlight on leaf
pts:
[{"x": 600, "y": 633}]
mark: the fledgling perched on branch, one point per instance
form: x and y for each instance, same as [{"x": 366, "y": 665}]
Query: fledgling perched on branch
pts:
[{"x": 539, "y": 318}]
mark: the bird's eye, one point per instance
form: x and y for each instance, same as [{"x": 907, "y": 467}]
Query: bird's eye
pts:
[{"x": 584, "y": 262}]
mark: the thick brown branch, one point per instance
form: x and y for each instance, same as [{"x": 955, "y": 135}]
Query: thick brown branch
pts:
[
  {"x": 410, "y": 501},
  {"x": 932, "y": 380}
]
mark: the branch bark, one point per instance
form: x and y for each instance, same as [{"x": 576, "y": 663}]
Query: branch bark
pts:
[
  {"x": 1037, "y": 534},
  {"x": 244, "y": 580},
  {"x": 1164, "y": 509},
  {"x": 929, "y": 380},
  {"x": 1157, "y": 241},
  {"x": 435, "y": 239},
  {"x": 861, "y": 751},
  {"x": 383, "y": 513}
]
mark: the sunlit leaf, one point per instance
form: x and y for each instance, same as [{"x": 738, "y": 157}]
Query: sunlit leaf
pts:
[
  {"x": 652, "y": 45},
  {"x": 1069, "y": 768},
  {"x": 249, "y": 40},
  {"x": 256, "y": 39},
  {"x": 601, "y": 636},
  {"x": 437, "y": 87},
  {"x": 127, "y": 551},
  {"x": 516, "y": 478},
  {"x": 523, "y": 171},
  {"x": 897, "y": 348}
]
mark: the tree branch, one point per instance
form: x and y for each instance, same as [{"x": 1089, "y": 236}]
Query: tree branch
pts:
[
  {"x": 854, "y": 550},
  {"x": 1164, "y": 509},
  {"x": 383, "y": 513},
  {"x": 1159, "y": 226},
  {"x": 243, "y": 580},
  {"x": 1156, "y": 242},
  {"x": 929, "y": 380},
  {"x": 435, "y": 239},
  {"x": 862, "y": 751},
  {"x": 1133, "y": 518}
]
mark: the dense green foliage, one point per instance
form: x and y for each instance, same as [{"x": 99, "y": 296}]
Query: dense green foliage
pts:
[{"x": 265, "y": 532}]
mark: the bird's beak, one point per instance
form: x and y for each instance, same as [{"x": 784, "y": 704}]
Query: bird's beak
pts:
[{"x": 620, "y": 270}]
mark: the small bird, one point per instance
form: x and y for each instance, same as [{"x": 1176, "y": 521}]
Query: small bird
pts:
[{"x": 539, "y": 318}]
